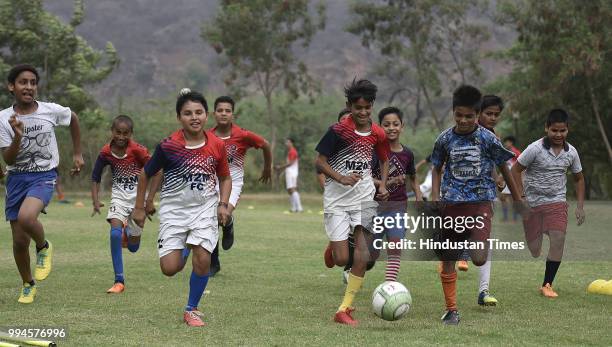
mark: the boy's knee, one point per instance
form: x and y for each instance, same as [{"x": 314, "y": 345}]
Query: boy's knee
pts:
[
  {"x": 341, "y": 260},
  {"x": 169, "y": 271},
  {"x": 479, "y": 261}
]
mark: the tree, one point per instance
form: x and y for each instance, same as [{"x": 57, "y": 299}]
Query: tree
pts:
[
  {"x": 563, "y": 58},
  {"x": 67, "y": 64},
  {"x": 428, "y": 46},
  {"x": 257, "y": 41}
]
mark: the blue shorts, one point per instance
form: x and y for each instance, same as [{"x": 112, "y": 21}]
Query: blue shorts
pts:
[{"x": 19, "y": 186}]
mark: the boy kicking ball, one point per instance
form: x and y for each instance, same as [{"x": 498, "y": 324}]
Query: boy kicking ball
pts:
[
  {"x": 345, "y": 157},
  {"x": 190, "y": 207},
  {"x": 545, "y": 163},
  {"x": 29, "y": 148}
]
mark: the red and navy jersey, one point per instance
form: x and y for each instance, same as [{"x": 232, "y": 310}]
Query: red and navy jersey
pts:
[
  {"x": 349, "y": 151},
  {"x": 125, "y": 170},
  {"x": 236, "y": 146},
  {"x": 190, "y": 174}
]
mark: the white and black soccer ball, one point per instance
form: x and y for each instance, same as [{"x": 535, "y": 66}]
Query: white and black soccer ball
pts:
[{"x": 391, "y": 300}]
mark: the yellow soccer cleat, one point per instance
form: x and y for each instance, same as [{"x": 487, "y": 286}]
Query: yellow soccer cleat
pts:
[
  {"x": 43, "y": 262},
  {"x": 28, "y": 293}
]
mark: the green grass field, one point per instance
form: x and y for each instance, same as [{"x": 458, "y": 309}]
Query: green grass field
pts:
[{"x": 273, "y": 289}]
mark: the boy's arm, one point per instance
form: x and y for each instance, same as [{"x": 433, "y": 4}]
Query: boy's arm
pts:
[
  {"x": 77, "y": 156},
  {"x": 436, "y": 179},
  {"x": 348, "y": 180},
  {"x": 321, "y": 180},
  {"x": 225, "y": 189},
  {"x": 512, "y": 185},
  {"x": 266, "y": 173},
  {"x": 154, "y": 184},
  {"x": 579, "y": 183},
  {"x": 415, "y": 187},
  {"x": 9, "y": 154},
  {"x": 138, "y": 214},
  {"x": 95, "y": 189},
  {"x": 383, "y": 193},
  {"x": 516, "y": 171}
]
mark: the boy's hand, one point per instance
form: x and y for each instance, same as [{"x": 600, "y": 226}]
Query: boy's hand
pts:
[
  {"x": 96, "y": 207},
  {"x": 77, "y": 164},
  {"x": 350, "y": 179},
  {"x": 266, "y": 175},
  {"x": 16, "y": 124},
  {"x": 150, "y": 209},
  {"x": 580, "y": 215},
  {"x": 222, "y": 214},
  {"x": 523, "y": 208},
  {"x": 383, "y": 193},
  {"x": 138, "y": 216}
]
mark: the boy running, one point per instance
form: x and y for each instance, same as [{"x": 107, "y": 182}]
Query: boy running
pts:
[
  {"x": 126, "y": 159},
  {"x": 29, "y": 148},
  {"x": 545, "y": 163},
  {"x": 291, "y": 176},
  {"x": 401, "y": 169},
  {"x": 237, "y": 141},
  {"x": 190, "y": 206},
  {"x": 469, "y": 153},
  {"x": 345, "y": 157}
]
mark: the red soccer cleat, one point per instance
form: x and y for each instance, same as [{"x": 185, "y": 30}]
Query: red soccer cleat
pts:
[
  {"x": 193, "y": 319},
  {"x": 344, "y": 317},
  {"x": 328, "y": 257}
]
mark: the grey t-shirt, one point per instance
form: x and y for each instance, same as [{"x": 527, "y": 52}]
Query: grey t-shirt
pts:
[{"x": 545, "y": 176}]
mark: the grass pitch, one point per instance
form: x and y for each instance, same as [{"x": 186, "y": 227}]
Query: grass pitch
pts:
[{"x": 273, "y": 289}]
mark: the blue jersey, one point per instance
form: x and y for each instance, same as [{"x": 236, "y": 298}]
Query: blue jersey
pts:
[{"x": 470, "y": 160}]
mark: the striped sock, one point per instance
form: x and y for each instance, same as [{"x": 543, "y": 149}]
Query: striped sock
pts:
[{"x": 393, "y": 266}]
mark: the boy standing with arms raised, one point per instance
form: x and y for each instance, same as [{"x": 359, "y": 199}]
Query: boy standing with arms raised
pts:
[
  {"x": 545, "y": 163},
  {"x": 345, "y": 157}
]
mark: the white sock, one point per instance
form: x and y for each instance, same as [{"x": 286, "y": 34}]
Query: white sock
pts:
[
  {"x": 485, "y": 273},
  {"x": 292, "y": 202},
  {"x": 298, "y": 203}
]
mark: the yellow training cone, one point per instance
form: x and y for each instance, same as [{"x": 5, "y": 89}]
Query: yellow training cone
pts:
[{"x": 596, "y": 287}]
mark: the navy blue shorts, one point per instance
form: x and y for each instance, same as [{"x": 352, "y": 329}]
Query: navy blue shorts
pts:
[{"x": 19, "y": 186}]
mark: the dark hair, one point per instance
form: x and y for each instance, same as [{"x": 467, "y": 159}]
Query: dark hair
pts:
[
  {"x": 510, "y": 138},
  {"x": 467, "y": 96},
  {"x": 360, "y": 89},
  {"x": 390, "y": 110},
  {"x": 16, "y": 70},
  {"x": 187, "y": 95},
  {"x": 123, "y": 119},
  {"x": 491, "y": 100},
  {"x": 557, "y": 116},
  {"x": 342, "y": 113},
  {"x": 225, "y": 98}
]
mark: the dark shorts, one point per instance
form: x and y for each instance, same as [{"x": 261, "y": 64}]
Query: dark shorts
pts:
[
  {"x": 544, "y": 218},
  {"x": 19, "y": 186},
  {"x": 478, "y": 231}
]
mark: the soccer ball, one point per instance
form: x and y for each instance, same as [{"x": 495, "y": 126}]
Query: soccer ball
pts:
[{"x": 391, "y": 300}]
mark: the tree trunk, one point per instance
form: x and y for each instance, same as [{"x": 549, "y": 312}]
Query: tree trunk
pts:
[
  {"x": 272, "y": 124},
  {"x": 600, "y": 125},
  {"x": 434, "y": 115}
]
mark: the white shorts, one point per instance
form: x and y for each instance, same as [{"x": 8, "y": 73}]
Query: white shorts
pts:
[
  {"x": 123, "y": 214},
  {"x": 173, "y": 237},
  {"x": 338, "y": 225},
  {"x": 236, "y": 191},
  {"x": 291, "y": 180}
]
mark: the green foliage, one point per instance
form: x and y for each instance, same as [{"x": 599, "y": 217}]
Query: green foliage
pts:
[
  {"x": 428, "y": 46},
  {"x": 66, "y": 62},
  {"x": 562, "y": 58},
  {"x": 257, "y": 41}
]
